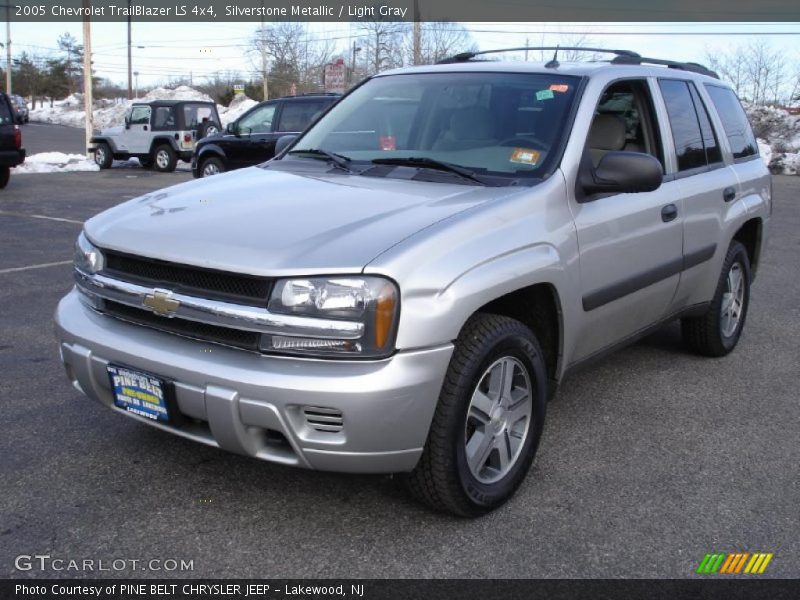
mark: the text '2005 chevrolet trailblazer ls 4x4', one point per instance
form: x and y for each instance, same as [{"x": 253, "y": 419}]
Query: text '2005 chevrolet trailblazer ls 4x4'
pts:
[{"x": 404, "y": 286}]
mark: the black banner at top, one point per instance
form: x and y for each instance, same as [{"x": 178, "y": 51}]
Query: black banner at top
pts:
[{"x": 401, "y": 10}]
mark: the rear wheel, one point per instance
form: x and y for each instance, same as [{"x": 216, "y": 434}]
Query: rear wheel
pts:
[
  {"x": 717, "y": 332},
  {"x": 164, "y": 158},
  {"x": 488, "y": 422},
  {"x": 103, "y": 156},
  {"x": 5, "y": 175},
  {"x": 211, "y": 166}
]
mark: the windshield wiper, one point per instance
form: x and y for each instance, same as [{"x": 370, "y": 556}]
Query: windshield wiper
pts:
[
  {"x": 424, "y": 162},
  {"x": 337, "y": 159}
]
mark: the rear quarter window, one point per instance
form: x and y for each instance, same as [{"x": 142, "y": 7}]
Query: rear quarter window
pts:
[{"x": 734, "y": 121}]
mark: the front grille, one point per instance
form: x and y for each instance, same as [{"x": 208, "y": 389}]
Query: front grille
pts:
[
  {"x": 185, "y": 279},
  {"x": 247, "y": 340},
  {"x": 329, "y": 420}
]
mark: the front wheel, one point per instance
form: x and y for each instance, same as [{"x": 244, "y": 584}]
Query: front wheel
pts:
[
  {"x": 717, "y": 332},
  {"x": 488, "y": 422},
  {"x": 164, "y": 159},
  {"x": 103, "y": 156}
]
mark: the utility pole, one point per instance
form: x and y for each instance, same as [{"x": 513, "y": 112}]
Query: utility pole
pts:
[
  {"x": 264, "y": 82},
  {"x": 87, "y": 74},
  {"x": 417, "y": 35},
  {"x": 8, "y": 49},
  {"x": 526, "y": 49},
  {"x": 130, "y": 61}
]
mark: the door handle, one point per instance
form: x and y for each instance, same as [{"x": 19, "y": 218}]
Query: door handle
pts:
[
  {"x": 729, "y": 193},
  {"x": 145, "y": 127},
  {"x": 669, "y": 213}
]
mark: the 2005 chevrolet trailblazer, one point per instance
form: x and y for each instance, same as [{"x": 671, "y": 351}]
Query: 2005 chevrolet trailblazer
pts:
[{"x": 404, "y": 286}]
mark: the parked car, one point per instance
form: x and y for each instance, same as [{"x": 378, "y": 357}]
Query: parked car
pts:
[
  {"x": 11, "y": 151},
  {"x": 402, "y": 291},
  {"x": 158, "y": 133},
  {"x": 250, "y": 139},
  {"x": 21, "y": 112}
]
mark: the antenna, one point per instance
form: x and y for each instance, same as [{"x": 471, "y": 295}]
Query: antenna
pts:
[{"x": 553, "y": 64}]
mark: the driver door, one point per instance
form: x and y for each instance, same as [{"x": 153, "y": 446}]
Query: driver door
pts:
[
  {"x": 137, "y": 135},
  {"x": 631, "y": 245},
  {"x": 246, "y": 147}
]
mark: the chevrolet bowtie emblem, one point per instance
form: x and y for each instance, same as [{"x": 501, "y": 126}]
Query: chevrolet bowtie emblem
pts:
[{"x": 161, "y": 303}]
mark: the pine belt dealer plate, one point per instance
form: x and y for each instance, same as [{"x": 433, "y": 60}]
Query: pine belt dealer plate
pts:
[{"x": 139, "y": 393}]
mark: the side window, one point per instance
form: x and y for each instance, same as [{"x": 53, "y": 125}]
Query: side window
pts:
[
  {"x": 164, "y": 118},
  {"x": 296, "y": 116},
  {"x": 5, "y": 112},
  {"x": 259, "y": 120},
  {"x": 624, "y": 121},
  {"x": 710, "y": 142},
  {"x": 684, "y": 124},
  {"x": 734, "y": 121},
  {"x": 140, "y": 115}
]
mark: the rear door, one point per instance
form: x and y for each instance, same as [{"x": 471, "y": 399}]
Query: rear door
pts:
[
  {"x": 707, "y": 185},
  {"x": 294, "y": 117},
  {"x": 6, "y": 124}
]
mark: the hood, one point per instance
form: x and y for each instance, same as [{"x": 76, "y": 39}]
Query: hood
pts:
[
  {"x": 269, "y": 222},
  {"x": 112, "y": 131}
]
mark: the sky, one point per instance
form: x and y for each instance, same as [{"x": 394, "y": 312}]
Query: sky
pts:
[{"x": 164, "y": 51}]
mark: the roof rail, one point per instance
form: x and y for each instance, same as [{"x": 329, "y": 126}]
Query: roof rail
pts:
[
  {"x": 672, "y": 64},
  {"x": 622, "y": 57},
  {"x": 466, "y": 56}
]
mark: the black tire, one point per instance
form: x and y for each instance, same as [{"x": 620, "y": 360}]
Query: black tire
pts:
[
  {"x": 5, "y": 175},
  {"x": 164, "y": 158},
  {"x": 213, "y": 165},
  {"x": 443, "y": 479},
  {"x": 706, "y": 335},
  {"x": 147, "y": 163},
  {"x": 206, "y": 129},
  {"x": 103, "y": 157}
]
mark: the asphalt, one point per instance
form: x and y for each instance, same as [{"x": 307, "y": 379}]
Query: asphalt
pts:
[
  {"x": 650, "y": 458},
  {"x": 42, "y": 137}
]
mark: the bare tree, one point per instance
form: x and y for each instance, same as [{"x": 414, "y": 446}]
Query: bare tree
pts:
[
  {"x": 383, "y": 44},
  {"x": 756, "y": 71}
]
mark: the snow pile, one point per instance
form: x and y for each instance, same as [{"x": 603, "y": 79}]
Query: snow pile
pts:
[
  {"x": 56, "y": 162},
  {"x": 238, "y": 106},
  {"x": 108, "y": 113},
  {"x": 778, "y": 134}
]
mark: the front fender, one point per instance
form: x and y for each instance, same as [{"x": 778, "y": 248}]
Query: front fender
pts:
[
  {"x": 211, "y": 150},
  {"x": 97, "y": 139}
]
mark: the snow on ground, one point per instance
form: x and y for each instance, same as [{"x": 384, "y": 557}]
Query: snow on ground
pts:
[
  {"x": 108, "y": 113},
  {"x": 55, "y": 162},
  {"x": 778, "y": 135}
]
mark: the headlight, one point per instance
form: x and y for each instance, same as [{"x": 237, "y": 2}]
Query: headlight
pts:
[
  {"x": 372, "y": 302},
  {"x": 88, "y": 258}
]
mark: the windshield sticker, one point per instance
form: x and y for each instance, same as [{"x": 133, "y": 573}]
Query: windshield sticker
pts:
[
  {"x": 525, "y": 156},
  {"x": 388, "y": 142},
  {"x": 559, "y": 87},
  {"x": 544, "y": 95}
]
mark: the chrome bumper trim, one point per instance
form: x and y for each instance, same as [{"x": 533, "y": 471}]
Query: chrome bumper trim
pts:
[{"x": 213, "y": 312}]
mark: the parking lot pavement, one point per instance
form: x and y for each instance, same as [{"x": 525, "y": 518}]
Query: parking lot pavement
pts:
[
  {"x": 649, "y": 459},
  {"x": 46, "y": 137}
]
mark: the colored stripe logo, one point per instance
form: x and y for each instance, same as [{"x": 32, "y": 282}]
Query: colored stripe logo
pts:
[{"x": 734, "y": 563}]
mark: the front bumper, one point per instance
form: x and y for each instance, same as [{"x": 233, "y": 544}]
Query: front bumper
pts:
[{"x": 239, "y": 400}]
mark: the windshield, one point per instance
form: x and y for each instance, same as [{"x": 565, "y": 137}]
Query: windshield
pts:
[{"x": 502, "y": 124}]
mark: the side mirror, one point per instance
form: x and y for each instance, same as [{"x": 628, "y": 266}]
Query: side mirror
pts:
[
  {"x": 232, "y": 128},
  {"x": 284, "y": 142},
  {"x": 622, "y": 173}
]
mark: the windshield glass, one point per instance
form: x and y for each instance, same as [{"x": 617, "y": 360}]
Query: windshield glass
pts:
[{"x": 506, "y": 124}]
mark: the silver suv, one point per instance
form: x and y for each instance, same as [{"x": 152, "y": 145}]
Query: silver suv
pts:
[{"x": 404, "y": 286}]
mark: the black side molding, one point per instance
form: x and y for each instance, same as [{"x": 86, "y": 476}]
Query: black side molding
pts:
[{"x": 640, "y": 281}]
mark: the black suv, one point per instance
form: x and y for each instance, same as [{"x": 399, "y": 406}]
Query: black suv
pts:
[
  {"x": 11, "y": 151},
  {"x": 250, "y": 139}
]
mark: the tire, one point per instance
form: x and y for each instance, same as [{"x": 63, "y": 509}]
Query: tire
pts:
[
  {"x": 164, "y": 158},
  {"x": 147, "y": 163},
  {"x": 718, "y": 331},
  {"x": 206, "y": 129},
  {"x": 5, "y": 175},
  {"x": 103, "y": 157},
  {"x": 445, "y": 478},
  {"x": 211, "y": 166}
]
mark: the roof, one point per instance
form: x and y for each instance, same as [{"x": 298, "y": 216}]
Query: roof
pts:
[{"x": 171, "y": 102}]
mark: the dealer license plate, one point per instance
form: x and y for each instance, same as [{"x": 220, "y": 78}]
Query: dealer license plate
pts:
[{"x": 140, "y": 393}]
